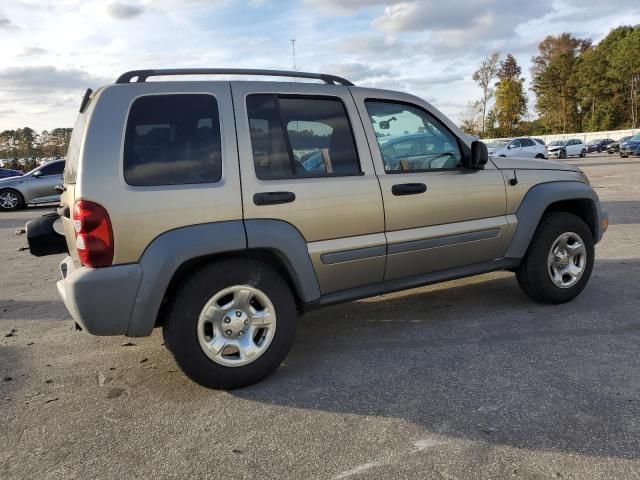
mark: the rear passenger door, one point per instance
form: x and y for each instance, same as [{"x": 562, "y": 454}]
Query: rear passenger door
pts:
[
  {"x": 304, "y": 160},
  {"x": 44, "y": 185},
  {"x": 529, "y": 149}
]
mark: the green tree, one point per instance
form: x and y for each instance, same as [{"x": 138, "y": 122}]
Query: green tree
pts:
[
  {"x": 511, "y": 101},
  {"x": 553, "y": 82}
]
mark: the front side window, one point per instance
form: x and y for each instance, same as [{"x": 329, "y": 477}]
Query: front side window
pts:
[
  {"x": 411, "y": 139},
  {"x": 173, "y": 140},
  {"x": 297, "y": 136}
]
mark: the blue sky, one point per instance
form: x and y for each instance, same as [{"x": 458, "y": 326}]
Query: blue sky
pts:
[{"x": 53, "y": 50}]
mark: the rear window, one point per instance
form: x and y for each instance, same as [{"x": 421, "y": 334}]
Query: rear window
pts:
[{"x": 173, "y": 140}]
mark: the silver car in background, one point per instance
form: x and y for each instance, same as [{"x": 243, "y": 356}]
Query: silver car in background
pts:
[{"x": 37, "y": 186}]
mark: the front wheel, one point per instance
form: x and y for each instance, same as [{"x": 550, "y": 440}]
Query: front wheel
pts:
[
  {"x": 11, "y": 200},
  {"x": 559, "y": 261},
  {"x": 231, "y": 324},
  {"x": 562, "y": 154}
]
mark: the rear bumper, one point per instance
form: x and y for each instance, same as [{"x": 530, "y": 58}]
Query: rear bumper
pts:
[{"x": 100, "y": 300}]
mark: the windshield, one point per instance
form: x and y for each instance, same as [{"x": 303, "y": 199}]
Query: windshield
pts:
[
  {"x": 557, "y": 143},
  {"x": 636, "y": 138},
  {"x": 497, "y": 143},
  {"x": 593, "y": 142}
]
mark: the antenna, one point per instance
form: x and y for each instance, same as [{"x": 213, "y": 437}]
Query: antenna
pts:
[{"x": 293, "y": 52}]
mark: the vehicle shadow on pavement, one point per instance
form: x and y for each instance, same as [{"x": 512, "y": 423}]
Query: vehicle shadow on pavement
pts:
[{"x": 479, "y": 360}]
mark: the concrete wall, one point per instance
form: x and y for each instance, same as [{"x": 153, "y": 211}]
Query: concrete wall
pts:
[{"x": 585, "y": 137}]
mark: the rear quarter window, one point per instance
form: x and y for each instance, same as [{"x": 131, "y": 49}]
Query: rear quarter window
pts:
[
  {"x": 173, "y": 140},
  {"x": 73, "y": 152}
]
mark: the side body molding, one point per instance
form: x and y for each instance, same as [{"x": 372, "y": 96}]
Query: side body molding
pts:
[
  {"x": 284, "y": 240},
  {"x": 167, "y": 253},
  {"x": 538, "y": 198}
]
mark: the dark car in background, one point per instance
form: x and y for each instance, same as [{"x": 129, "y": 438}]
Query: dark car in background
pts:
[
  {"x": 7, "y": 172},
  {"x": 599, "y": 145},
  {"x": 631, "y": 147},
  {"x": 615, "y": 146}
]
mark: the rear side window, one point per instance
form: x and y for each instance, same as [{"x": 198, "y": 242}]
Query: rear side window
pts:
[
  {"x": 297, "y": 136},
  {"x": 173, "y": 140},
  {"x": 54, "y": 168},
  {"x": 526, "y": 142}
]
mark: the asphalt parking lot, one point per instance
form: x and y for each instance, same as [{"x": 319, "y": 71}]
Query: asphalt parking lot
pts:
[{"x": 467, "y": 379}]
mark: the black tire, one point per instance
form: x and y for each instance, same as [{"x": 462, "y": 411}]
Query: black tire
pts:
[
  {"x": 540, "y": 156},
  {"x": 180, "y": 328},
  {"x": 562, "y": 154},
  {"x": 532, "y": 274},
  {"x": 19, "y": 205},
  {"x": 583, "y": 153}
]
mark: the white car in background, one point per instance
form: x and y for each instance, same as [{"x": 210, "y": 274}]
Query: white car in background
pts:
[
  {"x": 524, "y": 147},
  {"x": 567, "y": 148}
]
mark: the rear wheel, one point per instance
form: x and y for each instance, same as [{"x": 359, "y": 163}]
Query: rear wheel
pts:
[
  {"x": 11, "y": 200},
  {"x": 540, "y": 156},
  {"x": 559, "y": 261},
  {"x": 231, "y": 324},
  {"x": 583, "y": 153}
]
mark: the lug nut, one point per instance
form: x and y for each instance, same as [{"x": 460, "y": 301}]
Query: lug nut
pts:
[
  {"x": 228, "y": 332},
  {"x": 246, "y": 322},
  {"x": 238, "y": 313},
  {"x": 240, "y": 333},
  {"x": 227, "y": 320}
]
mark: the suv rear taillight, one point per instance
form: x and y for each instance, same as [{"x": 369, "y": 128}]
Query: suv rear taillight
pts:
[{"x": 94, "y": 238}]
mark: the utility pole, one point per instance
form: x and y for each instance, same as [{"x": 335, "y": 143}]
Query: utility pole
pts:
[{"x": 293, "y": 51}]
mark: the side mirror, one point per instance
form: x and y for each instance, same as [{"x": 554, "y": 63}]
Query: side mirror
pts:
[
  {"x": 37, "y": 174},
  {"x": 479, "y": 155}
]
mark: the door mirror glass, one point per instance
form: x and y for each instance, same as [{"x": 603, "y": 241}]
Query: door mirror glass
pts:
[{"x": 37, "y": 174}]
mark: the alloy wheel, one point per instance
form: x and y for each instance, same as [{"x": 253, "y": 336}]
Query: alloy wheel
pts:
[
  {"x": 567, "y": 260},
  {"x": 8, "y": 200},
  {"x": 236, "y": 326}
]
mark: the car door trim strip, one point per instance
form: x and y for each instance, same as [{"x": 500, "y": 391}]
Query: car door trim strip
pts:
[{"x": 443, "y": 241}]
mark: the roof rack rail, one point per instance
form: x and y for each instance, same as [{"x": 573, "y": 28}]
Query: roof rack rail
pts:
[{"x": 142, "y": 75}]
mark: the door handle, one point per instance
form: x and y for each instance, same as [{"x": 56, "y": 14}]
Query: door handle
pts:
[
  {"x": 408, "y": 189},
  {"x": 273, "y": 198}
]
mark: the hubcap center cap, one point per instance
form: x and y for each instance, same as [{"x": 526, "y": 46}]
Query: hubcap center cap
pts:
[
  {"x": 235, "y": 323},
  {"x": 562, "y": 259}
]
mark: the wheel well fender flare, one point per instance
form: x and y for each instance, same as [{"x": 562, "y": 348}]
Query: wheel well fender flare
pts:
[
  {"x": 167, "y": 255},
  {"x": 289, "y": 246},
  {"x": 562, "y": 195}
]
